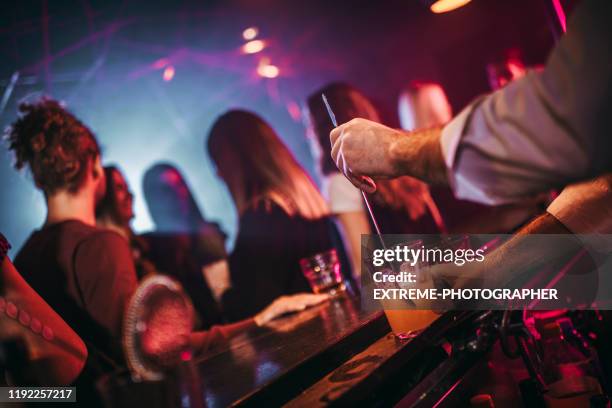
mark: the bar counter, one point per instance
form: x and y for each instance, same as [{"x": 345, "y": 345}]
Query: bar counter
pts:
[
  {"x": 274, "y": 364},
  {"x": 334, "y": 353}
]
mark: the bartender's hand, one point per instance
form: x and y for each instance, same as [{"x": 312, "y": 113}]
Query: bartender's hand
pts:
[
  {"x": 287, "y": 304},
  {"x": 362, "y": 148}
]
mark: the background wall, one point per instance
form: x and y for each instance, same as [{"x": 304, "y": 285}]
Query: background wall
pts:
[{"x": 105, "y": 59}]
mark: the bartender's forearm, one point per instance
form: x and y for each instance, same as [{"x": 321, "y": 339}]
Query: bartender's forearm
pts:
[
  {"x": 419, "y": 154},
  {"x": 520, "y": 254}
]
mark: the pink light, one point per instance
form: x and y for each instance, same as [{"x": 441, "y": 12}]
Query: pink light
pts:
[
  {"x": 560, "y": 13},
  {"x": 250, "y": 33},
  {"x": 268, "y": 71},
  {"x": 168, "y": 73},
  {"x": 294, "y": 111},
  {"x": 160, "y": 63},
  {"x": 253, "y": 47},
  {"x": 185, "y": 355},
  {"x": 447, "y": 393}
]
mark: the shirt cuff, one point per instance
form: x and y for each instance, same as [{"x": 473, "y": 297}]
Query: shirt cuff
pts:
[
  {"x": 450, "y": 141},
  {"x": 455, "y": 135},
  {"x": 451, "y": 136}
]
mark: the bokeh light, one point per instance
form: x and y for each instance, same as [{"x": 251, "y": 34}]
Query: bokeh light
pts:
[
  {"x": 268, "y": 71},
  {"x": 250, "y": 33},
  {"x": 294, "y": 111},
  {"x": 253, "y": 47},
  {"x": 168, "y": 73},
  {"x": 443, "y": 6}
]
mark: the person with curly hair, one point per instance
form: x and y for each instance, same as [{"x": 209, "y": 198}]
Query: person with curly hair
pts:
[{"x": 85, "y": 273}]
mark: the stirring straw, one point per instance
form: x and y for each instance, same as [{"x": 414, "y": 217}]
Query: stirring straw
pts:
[{"x": 368, "y": 180}]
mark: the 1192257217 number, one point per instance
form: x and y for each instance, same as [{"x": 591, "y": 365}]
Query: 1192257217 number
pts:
[{"x": 14, "y": 394}]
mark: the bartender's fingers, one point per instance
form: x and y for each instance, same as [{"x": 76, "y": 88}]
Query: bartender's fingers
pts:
[
  {"x": 368, "y": 185},
  {"x": 340, "y": 163},
  {"x": 356, "y": 180},
  {"x": 336, "y": 140},
  {"x": 361, "y": 182},
  {"x": 336, "y": 154},
  {"x": 335, "y": 134}
]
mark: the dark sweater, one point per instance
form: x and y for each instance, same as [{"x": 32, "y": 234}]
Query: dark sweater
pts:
[
  {"x": 87, "y": 276},
  {"x": 265, "y": 261}
]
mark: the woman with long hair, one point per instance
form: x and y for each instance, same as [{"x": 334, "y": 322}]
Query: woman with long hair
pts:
[{"x": 282, "y": 216}]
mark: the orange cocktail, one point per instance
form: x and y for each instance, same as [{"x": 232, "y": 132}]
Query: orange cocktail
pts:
[
  {"x": 405, "y": 321},
  {"x": 406, "y": 324}
]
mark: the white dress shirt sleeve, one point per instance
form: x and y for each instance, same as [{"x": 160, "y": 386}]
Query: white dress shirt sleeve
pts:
[{"x": 545, "y": 130}]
